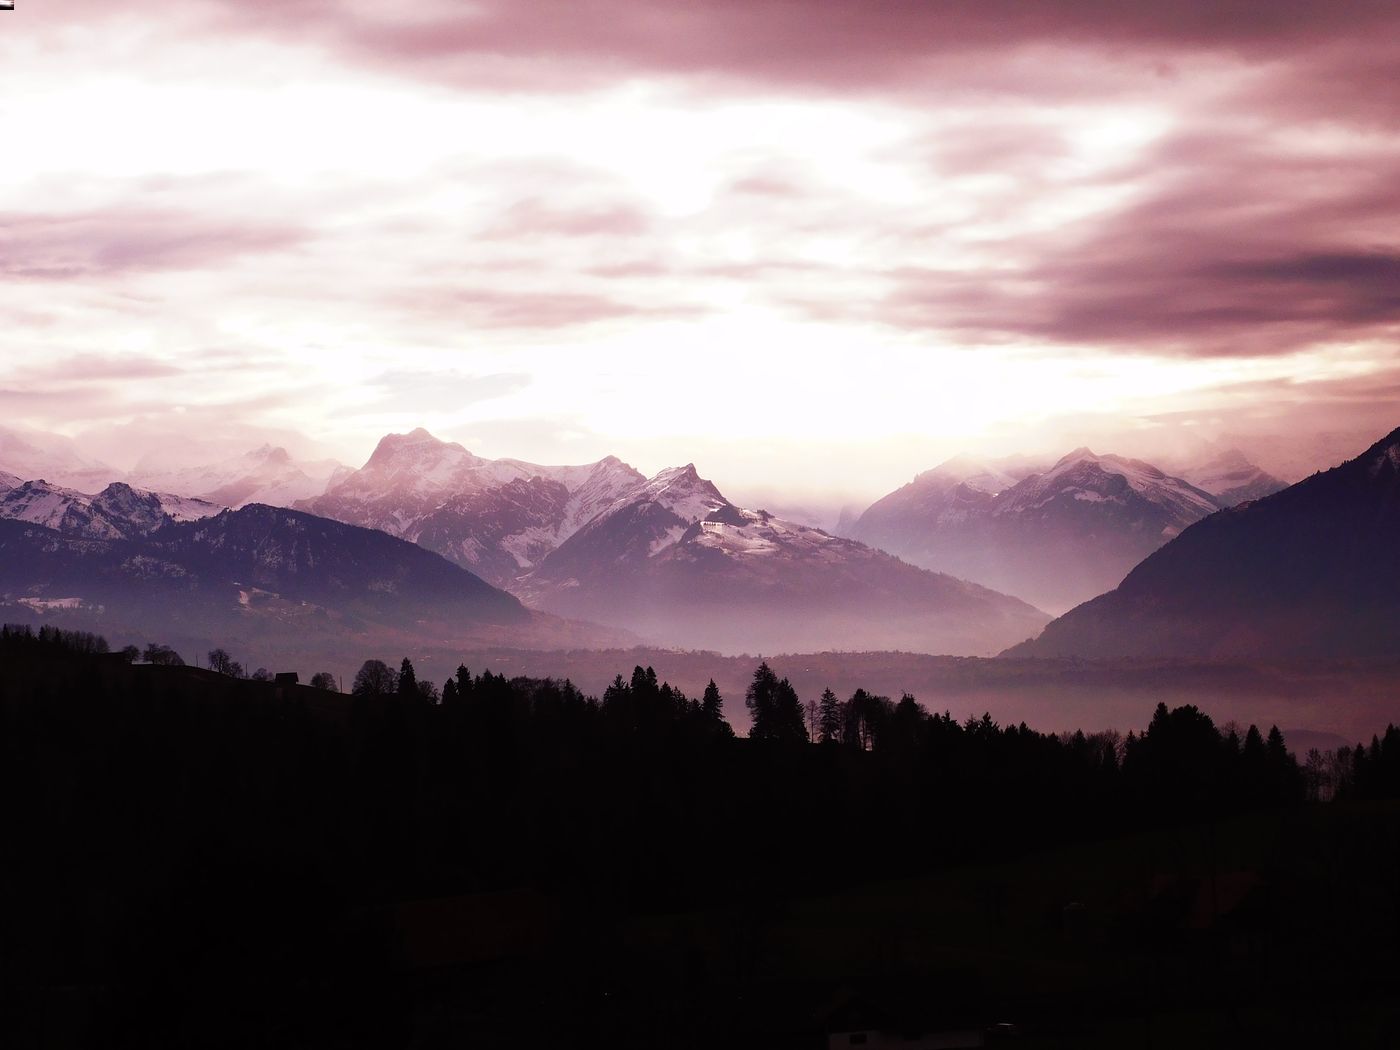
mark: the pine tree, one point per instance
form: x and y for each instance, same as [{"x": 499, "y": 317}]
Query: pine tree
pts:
[
  {"x": 760, "y": 699},
  {"x": 712, "y": 704},
  {"x": 790, "y": 724},
  {"x": 776, "y": 710},
  {"x": 408, "y": 681},
  {"x": 829, "y": 717}
]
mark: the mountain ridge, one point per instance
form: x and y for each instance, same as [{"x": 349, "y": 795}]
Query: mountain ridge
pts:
[
  {"x": 1310, "y": 571},
  {"x": 498, "y": 518},
  {"x": 119, "y": 511},
  {"x": 676, "y": 559},
  {"x": 1053, "y": 537}
]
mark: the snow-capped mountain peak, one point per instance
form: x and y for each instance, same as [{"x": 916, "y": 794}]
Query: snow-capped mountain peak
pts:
[
  {"x": 1310, "y": 572},
  {"x": 1088, "y": 477},
  {"x": 496, "y": 517},
  {"x": 117, "y": 512},
  {"x": 682, "y": 491},
  {"x": 648, "y": 517},
  {"x": 974, "y": 473},
  {"x": 1055, "y": 537},
  {"x": 428, "y": 461},
  {"x": 676, "y": 559},
  {"x": 1231, "y": 478}
]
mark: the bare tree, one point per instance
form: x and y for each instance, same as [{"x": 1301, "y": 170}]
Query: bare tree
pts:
[
  {"x": 162, "y": 655},
  {"x": 374, "y": 678},
  {"x": 221, "y": 661}
]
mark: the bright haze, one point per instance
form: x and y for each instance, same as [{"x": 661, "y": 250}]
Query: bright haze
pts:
[{"x": 812, "y": 247}]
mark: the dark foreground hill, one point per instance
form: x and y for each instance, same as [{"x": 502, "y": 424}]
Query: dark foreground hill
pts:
[
  {"x": 196, "y": 860},
  {"x": 242, "y": 563},
  {"x": 1310, "y": 572}
]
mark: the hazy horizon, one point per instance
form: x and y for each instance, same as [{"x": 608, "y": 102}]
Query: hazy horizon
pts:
[{"x": 813, "y": 263}]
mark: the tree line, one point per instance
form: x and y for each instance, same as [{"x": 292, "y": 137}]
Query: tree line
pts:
[{"x": 207, "y": 831}]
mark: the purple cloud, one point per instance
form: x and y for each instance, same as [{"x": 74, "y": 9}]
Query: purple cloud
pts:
[{"x": 63, "y": 246}]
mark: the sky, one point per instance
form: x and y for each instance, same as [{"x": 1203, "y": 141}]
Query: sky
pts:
[{"x": 813, "y": 246}]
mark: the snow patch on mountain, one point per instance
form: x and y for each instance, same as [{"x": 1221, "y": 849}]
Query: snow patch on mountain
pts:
[
  {"x": 498, "y": 518},
  {"x": 117, "y": 512},
  {"x": 1085, "y": 476},
  {"x": 680, "y": 491},
  {"x": 677, "y": 560}
]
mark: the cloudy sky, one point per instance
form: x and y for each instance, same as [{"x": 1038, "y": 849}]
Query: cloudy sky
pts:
[{"x": 812, "y": 245}]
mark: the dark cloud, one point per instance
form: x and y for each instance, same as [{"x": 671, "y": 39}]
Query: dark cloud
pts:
[
  {"x": 843, "y": 45},
  {"x": 1225, "y": 248},
  {"x": 846, "y": 43}
]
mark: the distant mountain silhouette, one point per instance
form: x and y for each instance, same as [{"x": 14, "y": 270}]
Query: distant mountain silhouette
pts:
[
  {"x": 215, "y": 570},
  {"x": 1053, "y": 538},
  {"x": 266, "y": 474},
  {"x": 676, "y": 561},
  {"x": 54, "y": 457},
  {"x": 1309, "y": 572},
  {"x": 498, "y": 517},
  {"x": 1231, "y": 478}
]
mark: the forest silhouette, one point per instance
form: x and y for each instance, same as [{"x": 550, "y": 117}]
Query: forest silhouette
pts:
[{"x": 186, "y": 840}]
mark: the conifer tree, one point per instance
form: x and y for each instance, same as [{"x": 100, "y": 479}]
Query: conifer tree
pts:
[
  {"x": 829, "y": 717},
  {"x": 408, "y": 680},
  {"x": 791, "y": 721},
  {"x": 760, "y": 699},
  {"x": 712, "y": 704}
]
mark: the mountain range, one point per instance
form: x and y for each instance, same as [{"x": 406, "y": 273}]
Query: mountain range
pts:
[
  {"x": 497, "y": 517},
  {"x": 120, "y": 550},
  {"x": 1231, "y": 478},
  {"x": 117, "y": 512},
  {"x": 427, "y": 532},
  {"x": 1055, "y": 536},
  {"x": 669, "y": 558},
  {"x": 1310, "y": 572},
  {"x": 675, "y": 560},
  {"x": 267, "y": 474}
]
